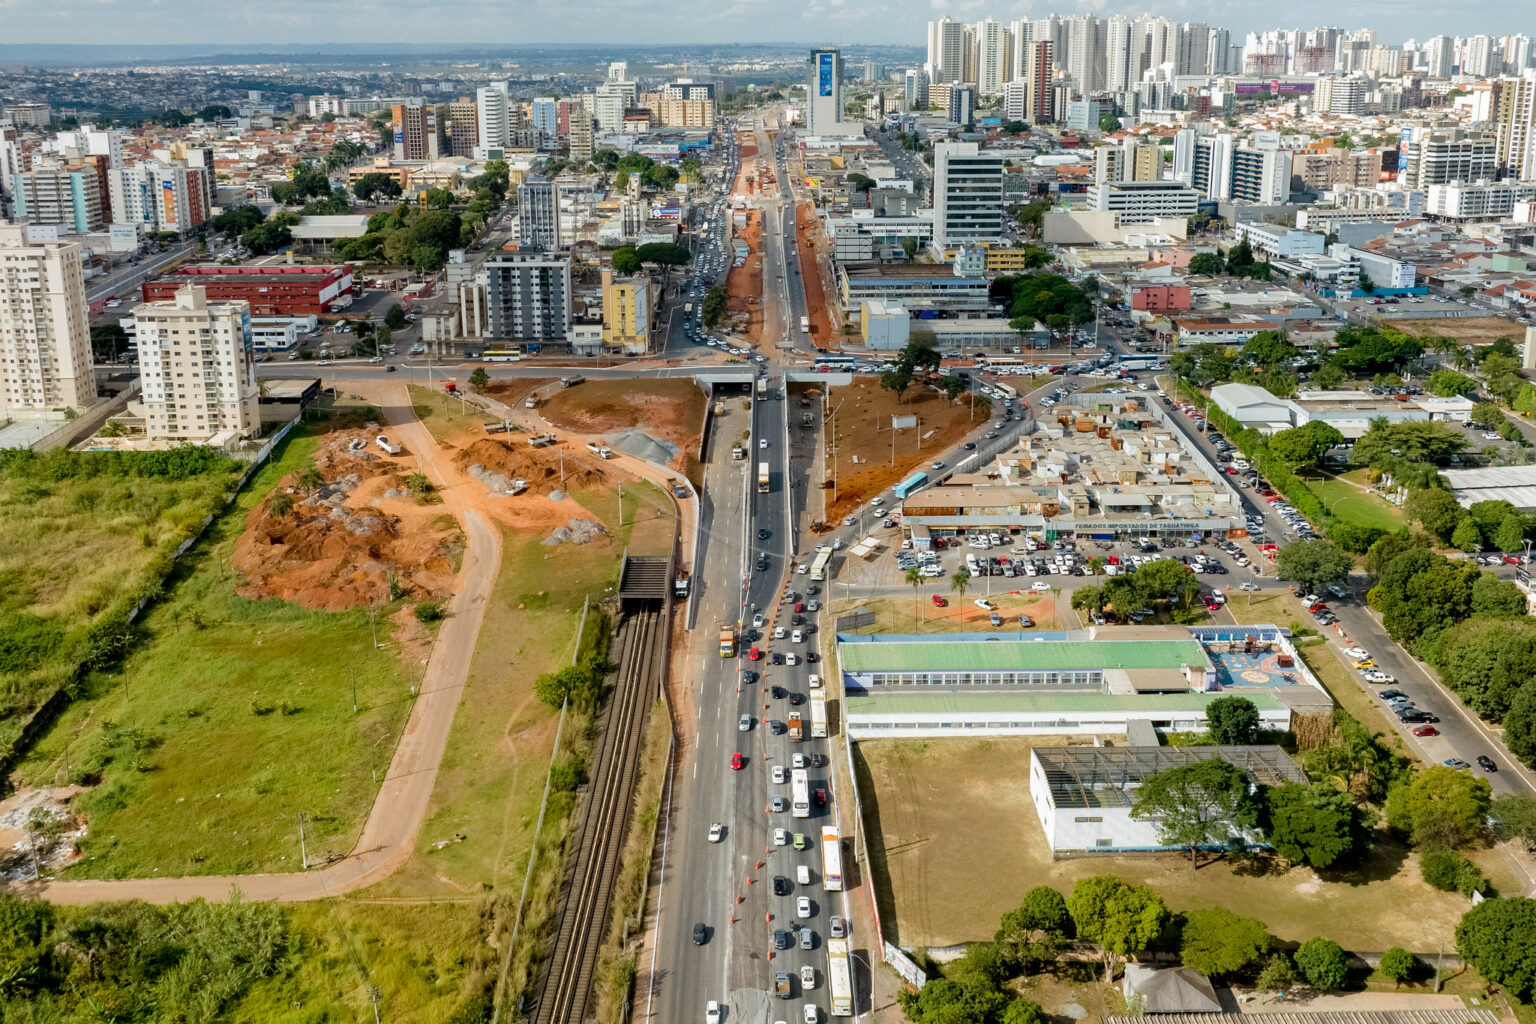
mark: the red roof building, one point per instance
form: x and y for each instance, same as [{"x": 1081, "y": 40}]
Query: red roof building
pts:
[{"x": 271, "y": 291}]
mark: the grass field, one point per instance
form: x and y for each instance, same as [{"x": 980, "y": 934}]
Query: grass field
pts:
[
  {"x": 1473, "y": 330},
  {"x": 77, "y": 546},
  {"x": 232, "y": 718},
  {"x": 943, "y": 814},
  {"x": 648, "y": 516},
  {"x": 445, "y": 415},
  {"x": 920, "y": 615},
  {"x": 1351, "y": 504}
]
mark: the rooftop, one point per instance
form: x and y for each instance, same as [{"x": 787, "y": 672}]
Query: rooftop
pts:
[
  {"x": 974, "y": 702},
  {"x": 1100, "y": 776},
  {"x": 999, "y": 654}
]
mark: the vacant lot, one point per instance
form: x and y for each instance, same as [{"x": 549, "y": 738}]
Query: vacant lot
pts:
[
  {"x": 1347, "y": 497},
  {"x": 745, "y": 283},
  {"x": 810, "y": 240},
  {"x": 1471, "y": 330},
  {"x": 907, "y": 614},
  {"x": 955, "y": 842},
  {"x": 82, "y": 536},
  {"x": 862, "y": 418},
  {"x": 668, "y": 410},
  {"x": 447, "y": 417},
  {"x": 234, "y": 719}
]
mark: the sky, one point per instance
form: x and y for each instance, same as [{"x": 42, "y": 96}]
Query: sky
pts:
[{"x": 640, "y": 22}]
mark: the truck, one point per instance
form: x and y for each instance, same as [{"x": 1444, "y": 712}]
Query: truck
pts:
[
  {"x": 449, "y": 386},
  {"x": 818, "y": 714},
  {"x": 602, "y": 451},
  {"x": 572, "y": 380},
  {"x": 783, "y": 987},
  {"x": 389, "y": 447},
  {"x": 677, "y": 487},
  {"x": 542, "y": 440},
  {"x": 680, "y": 586},
  {"x": 796, "y": 729},
  {"x": 808, "y": 420},
  {"x": 738, "y": 452},
  {"x": 531, "y": 402},
  {"x": 727, "y": 642}
]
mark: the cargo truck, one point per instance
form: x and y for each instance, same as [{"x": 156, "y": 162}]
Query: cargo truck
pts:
[
  {"x": 602, "y": 451},
  {"x": 727, "y": 642},
  {"x": 388, "y": 446},
  {"x": 783, "y": 987},
  {"x": 796, "y": 731}
]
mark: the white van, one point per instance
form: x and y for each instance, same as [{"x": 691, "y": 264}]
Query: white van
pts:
[
  {"x": 803, "y": 874},
  {"x": 798, "y": 636},
  {"x": 815, "y": 682}
]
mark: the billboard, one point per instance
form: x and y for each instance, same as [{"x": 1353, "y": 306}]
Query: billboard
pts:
[
  {"x": 168, "y": 197},
  {"x": 825, "y": 69}
]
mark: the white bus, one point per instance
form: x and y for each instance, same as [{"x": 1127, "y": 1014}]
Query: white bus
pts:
[
  {"x": 805, "y": 325},
  {"x": 818, "y": 714},
  {"x": 819, "y": 564},
  {"x": 831, "y": 859},
  {"x": 800, "y": 793},
  {"x": 1008, "y": 391},
  {"x": 840, "y": 977}
]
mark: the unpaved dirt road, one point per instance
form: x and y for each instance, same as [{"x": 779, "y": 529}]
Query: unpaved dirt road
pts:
[{"x": 389, "y": 836}]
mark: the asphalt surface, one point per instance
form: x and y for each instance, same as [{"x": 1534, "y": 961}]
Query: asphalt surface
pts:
[{"x": 125, "y": 283}]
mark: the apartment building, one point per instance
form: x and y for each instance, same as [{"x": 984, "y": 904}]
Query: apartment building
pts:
[
  {"x": 159, "y": 196},
  {"x": 45, "y": 338},
  {"x": 538, "y": 215},
  {"x": 1516, "y": 116},
  {"x": 67, "y": 195},
  {"x": 195, "y": 367},
  {"x": 1139, "y": 202},
  {"x": 1261, "y": 175},
  {"x": 967, "y": 194},
  {"x": 1443, "y": 157},
  {"x": 417, "y": 133},
  {"x": 463, "y": 127},
  {"x": 528, "y": 296},
  {"x": 629, "y": 305}
]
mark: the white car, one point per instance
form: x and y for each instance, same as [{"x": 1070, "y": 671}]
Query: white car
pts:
[
  {"x": 778, "y": 632},
  {"x": 803, "y": 907},
  {"x": 757, "y": 622},
  {"x": 1040, "y": 586},
  {"x": 779, "y": 776},
  {"x": 984, "y": 604},
  {"x": 1248, "y": 586},
  {"x": 807, "y": 977},
  {"x": 712, "y": 1012},
  {"x": 763, "y": 443},
  {"x": 716, "y": 832},
  {"x": 1359, "y": 653},
  {"x": 781, "y": 838},
  {"x": 812, "y": 1015},
  {"x": 797, "y": 760},
  {"x": 797, "y": 637},
  {"x": 791, "y": 658}
]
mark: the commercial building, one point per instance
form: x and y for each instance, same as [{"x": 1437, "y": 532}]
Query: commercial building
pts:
[
  {"x": 914, "y": 286},
  {"x": 528, "y": 296},
  {"x": 417, "y": 133},
  {"x": 1140, "y": 202},
  {"x": 29, "y": 115},
  {"x": 1101, "y": 681},
  {"x": 463, "y": 127},
  {"x": 1514, "y": 484},
  {"x": 1272, "y": 241},
  {"x": 65, "y": 195},
  {"x": 1348, "y": 412},
  {"x": 824, "y": 93},
  {"x": 1084, "y": 795},
  {"x": 195, "y": 366},
  {"x": 1084, "y": 113},
  {"x": 270, "y": 290},
  {"x": 538, "y": 215},
  {"x": 45, "y": 337},
  {"x": 1440, "y": 158},
  {"x": 629, "y": 307},
  {"x": 1479, "y": 200},
  {"x": 967, "y": 194},
  {"x": 1160, "y": 297},
  {"x": 862, "y": 235}
]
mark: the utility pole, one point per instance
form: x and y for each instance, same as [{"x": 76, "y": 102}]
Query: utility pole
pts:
[{"x": 303, "y": 853}]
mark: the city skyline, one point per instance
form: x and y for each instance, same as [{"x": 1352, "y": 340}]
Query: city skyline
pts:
[{"x": 703, "y": 22}]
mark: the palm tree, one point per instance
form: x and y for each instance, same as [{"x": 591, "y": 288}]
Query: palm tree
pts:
[
  {"x": 915, "y": 577},
  {"x": 959, "y": 581}
]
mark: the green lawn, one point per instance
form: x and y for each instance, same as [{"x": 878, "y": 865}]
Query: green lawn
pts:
[
  {"x": 232, "y": 718},
  {"x": 1349, "y": 503},
  {"x": 446, "y": 415}
]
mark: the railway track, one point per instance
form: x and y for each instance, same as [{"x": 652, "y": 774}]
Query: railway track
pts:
[{"x": 599, "y": 840}]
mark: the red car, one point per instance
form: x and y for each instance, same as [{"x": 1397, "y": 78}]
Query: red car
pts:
[
  {"x": 799, "y": 606},
  {"x": 820, "y": 796},
  {"x": 736, "y": 762},
  {"x": 939, "y": 602},
  {"x": 1211, "y": 605},
  {"x": 1511, "y": 559},
  {"x": 1426, "y": 730},
  {"x": 1317, "y": 606},
  {"x": 755, "y": 654}
]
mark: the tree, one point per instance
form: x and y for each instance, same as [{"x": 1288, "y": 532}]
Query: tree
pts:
[
  {"x": 1217, "y": 942},
  {"x": 1488, "y": 415},
  {"x": 394, "y": 317},
  {"x": 1119, "y": 917},
  {"x": 1232, "y": 721},
  {"x": 1024, "y": 1011},
  {"x": 712, "y": 309},
  {"x": 1398, "y": 964},
  {"x": 370, "y": 186},
  {"x": 1487, "y": 660},
  {"x": 1033, "y": 934},
  {"x": 108, "y": 342},
  {"x": 959, "y": 581},
  {"x": 971, "y": 998},
  {"x": 1436, "y": 510},
  {"x": 1206, "y": 263},
  {"x": 1317, "y": 825},
  {"x": 1514, "y": 818},
  {"x": 1466, "y": 536},
  {"x": 1314, "y": 564},
  {"x": 1194, "y": 805},
  {"x": 1449, "y": 871},
  {"x": 25, "y": 927},
  {"x": 1109, "y": 123},
  {"x": 1269, "y": 349},
  {"x": 267, "y": 238},
  {"x": 479, "y": 380},
  {"x": 1498, "y": 937},
  {"x": 1439, "y": 807},
  {"x": 1446, "y": 383},
  {"x": 1301, "y": 447},
  {"x": 238, "y": 219},
  {"x": 1510, "y": 536},
  {"x": 897, "y": 380},
  {"x": 1323, "y": 964},
  {"x": 953, "y": 385},
  {"x": 1278, "y": 975}
]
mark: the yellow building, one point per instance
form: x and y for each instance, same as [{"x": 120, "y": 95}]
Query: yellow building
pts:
[{"x": 629, "y": 306}]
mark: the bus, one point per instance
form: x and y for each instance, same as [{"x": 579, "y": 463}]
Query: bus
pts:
[
  {"x": 819, "y": 564},
  {"x": 805, "y": 325},
  {"x": 762, "y": 389},
  {"x": 910, "y": 484},
  {"x": 818, "y": 714},
  {"x": 501, "y": 355},
  {"x": 840, "y": 977},
  {"x": 831, "y": 859},
  {"x": 762, "y": 478},
  {"x": 834, "y": 364},
  {"x": 800, "y": 793},
  {"x": 1140, "y": 362},
  {"x": 1008, "y": 391}
]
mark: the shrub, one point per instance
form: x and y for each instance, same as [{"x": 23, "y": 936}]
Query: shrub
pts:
[
  {"x": 1399, "y": 965},
  {"x": 429, "y": 611},
  {"x": 1449, "y": 871},
  {"x": 1322, "y": 964}
]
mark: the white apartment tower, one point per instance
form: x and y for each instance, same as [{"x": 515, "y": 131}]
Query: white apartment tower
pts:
[
  {"x": 45, "y": 336},
  {"x": 994, "y": 59},
  {"x": 1440, "y": 56},
  {"x": 492, "y": 113},
  {"x": 967, "y": 194},
  {"x": 195, "y": 367},
  {"x": 946, "y": 50}
]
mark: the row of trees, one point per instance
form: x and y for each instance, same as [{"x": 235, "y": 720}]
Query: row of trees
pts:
[
  {"x": 1162, "y": 580},
  {"x": 1238, "y": 261}
]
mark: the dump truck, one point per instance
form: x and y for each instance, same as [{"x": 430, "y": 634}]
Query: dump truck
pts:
[
  {"x": 783, "y": 987},
  {"x": 602, "y": 451},
  {"x": 572, "y": 380},
  {"x": 542, "y": 440},
  {"x": 389, "y": 447},
  {"x": 677, "y": 487},
  {"x": 796, "y": 731},
  {"x": 531, "y": 402},
  {"x": 738, "y": 453},
  {"x": 808, "y": 420}
]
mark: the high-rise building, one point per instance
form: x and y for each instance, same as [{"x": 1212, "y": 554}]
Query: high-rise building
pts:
[
  {"x": 962, "y": 106},
  {"x": 159, "y": 196},
  {"x": 1122, "y": 57},
  {"x": 1444, "y": 157},
  {"x": 1440, "y": 56},
  {"x": 68, "y": 196},
  {"x": 463, "y": 127},
  {"x": 538, "y": 215},
  {"x": 580, "y": 136},
  {"x": 545, "y": 119},
  {"x": 618, "y": 71},
  {"x": 27, "y": 115},
  {"x": 1021, "y": 33},
  {"x": 686, "y": 104},
  {"x": 994, "y": 57},
  {"x": 1480, "y": 57},
  {"x": 1085, "y": 53},
  {"x": 528, "y": 296},
  {"x": 1516, "y": 118},
  {"x": 946, "y": 50},
  {"x": 416, "y": 130},
  {"x": 1183, "y": 168},
  {"x": 610, "y": 100},
  {"x": 1517, "y": 53},
  {"x": 916, "y": 94},
  {"x": 824, "y": 95},
  {"x": 195, "y": 367},
  {"x": 1261, "y": 175},
  {"x": 1211, "y": 165},
  {"x": 967, "y": 194},
  {"x": 45, "y": 336},
  {"x": 1218, "y": 47},
  {"x": 1039, "y": 96},
  {"x": 493, "y": 125}
]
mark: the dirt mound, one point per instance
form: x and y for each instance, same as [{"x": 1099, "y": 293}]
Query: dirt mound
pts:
[
  {"x": 352, "y": 534},
  {"x": 539, "y": 466}
]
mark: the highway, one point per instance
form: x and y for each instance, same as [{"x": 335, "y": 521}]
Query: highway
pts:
[{"x": 125, "y": 283}]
